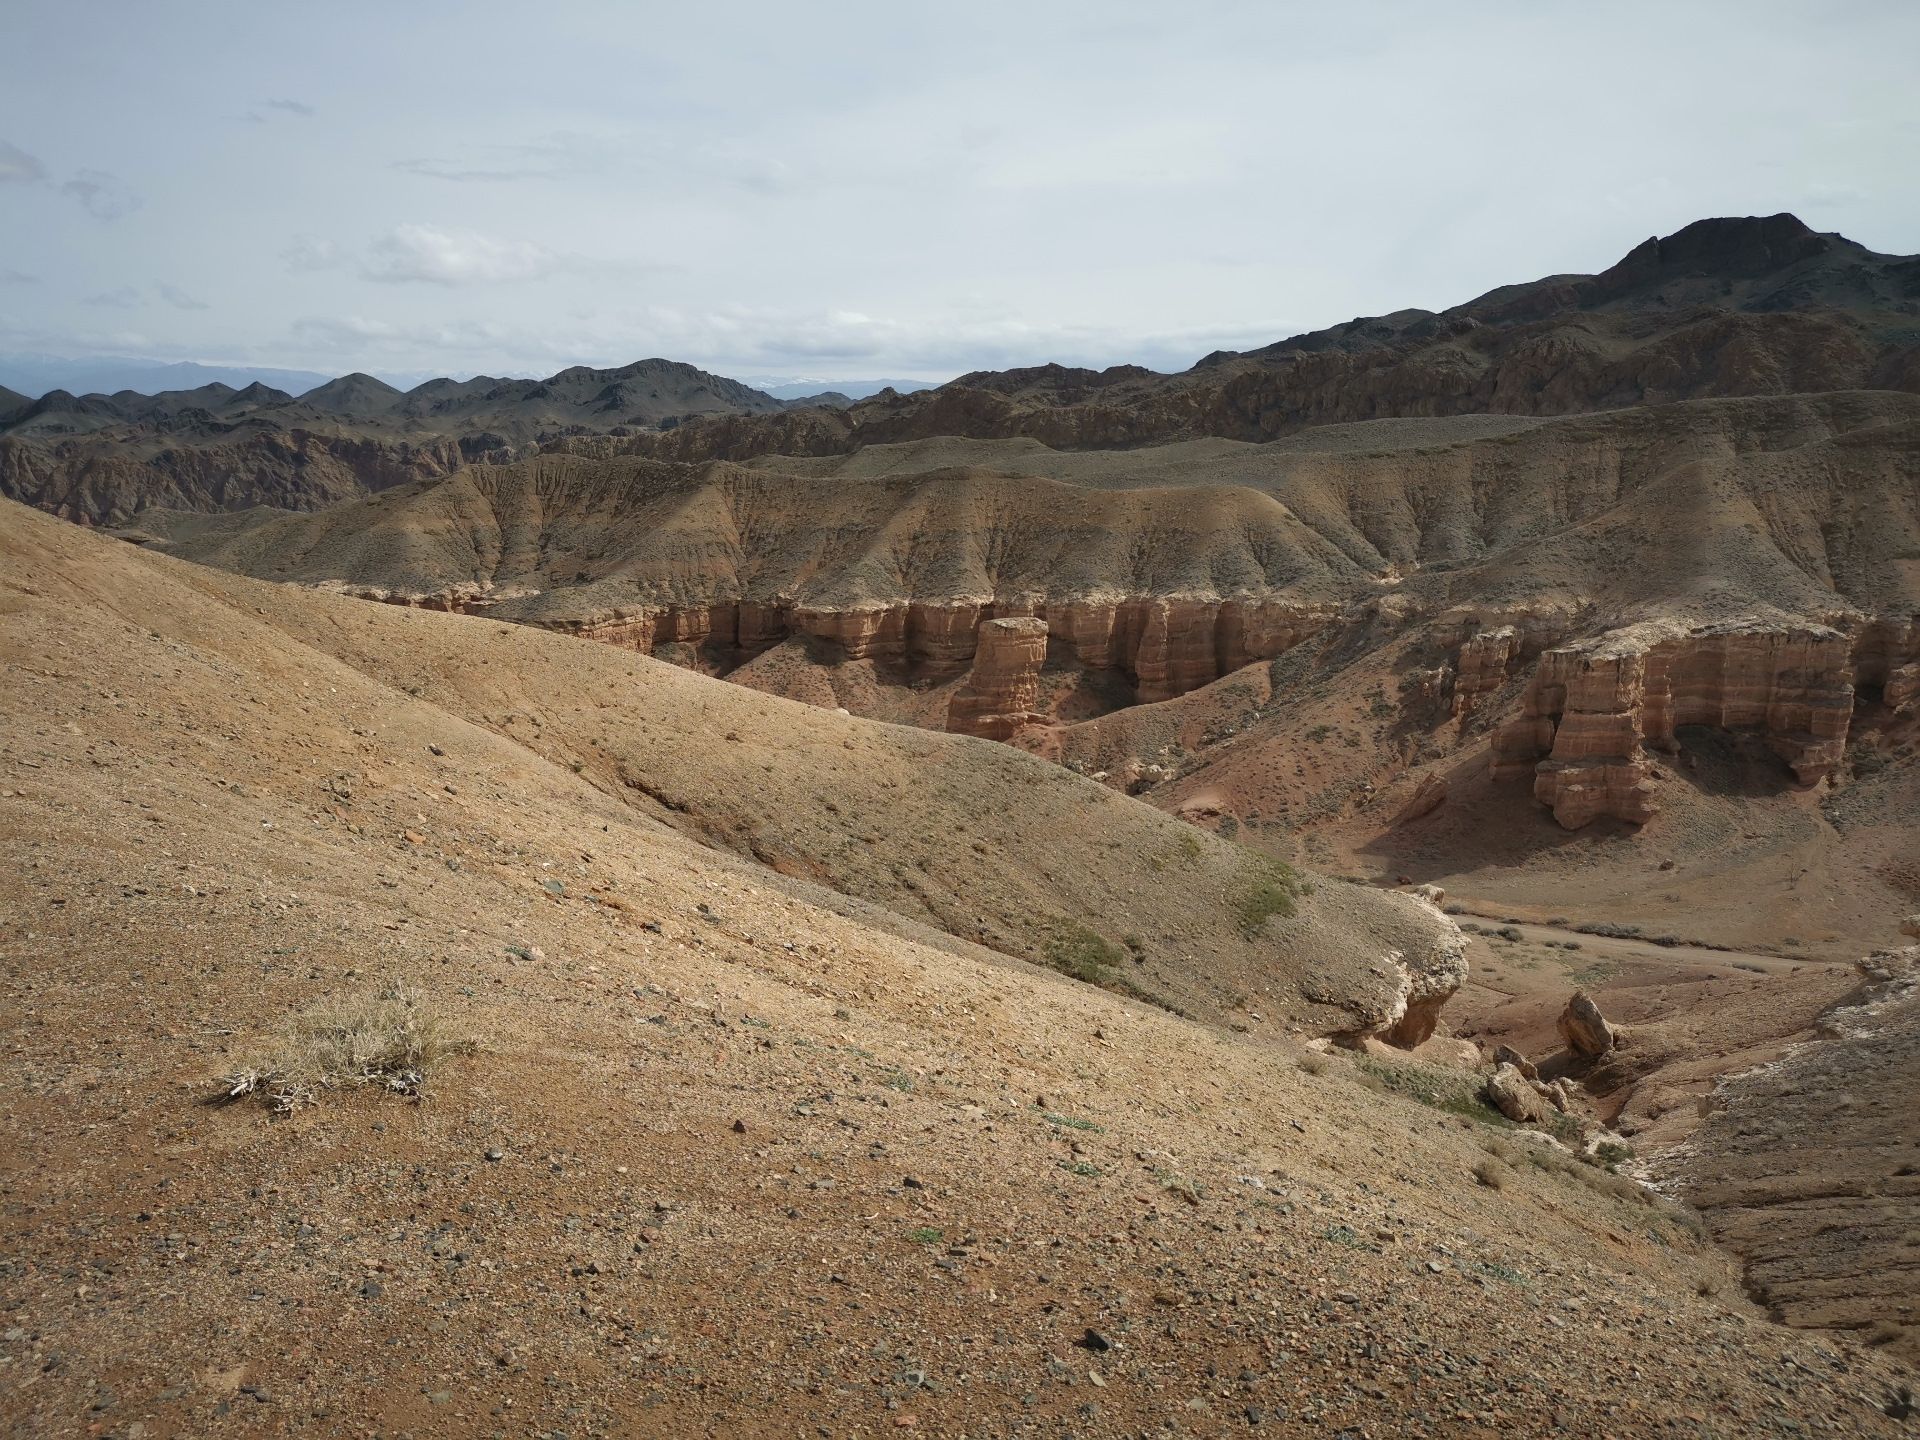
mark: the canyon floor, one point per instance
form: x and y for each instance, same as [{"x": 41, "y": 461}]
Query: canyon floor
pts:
[{"x": 733, "y": 1152}]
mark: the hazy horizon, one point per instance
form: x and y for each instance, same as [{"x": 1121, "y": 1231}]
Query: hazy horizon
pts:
[{"x": 866, "y": 192}]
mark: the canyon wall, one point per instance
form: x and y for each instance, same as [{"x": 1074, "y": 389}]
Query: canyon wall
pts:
[
  {"x": 1594, "y": 709},
  {"x": 1168, "y": 646}
]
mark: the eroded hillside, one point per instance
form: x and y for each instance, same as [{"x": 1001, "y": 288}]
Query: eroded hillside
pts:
[{"x": 732, "y": 1149}]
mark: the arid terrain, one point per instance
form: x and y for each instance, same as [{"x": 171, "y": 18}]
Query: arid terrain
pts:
[
  {"x": 1364, "y": 888},
  {"x": 733, "y": 1149}
]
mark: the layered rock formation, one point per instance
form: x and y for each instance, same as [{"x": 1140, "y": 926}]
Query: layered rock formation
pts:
[
  {"x": 1483, "y": 666},
  {"x": 1168, "y": 646},
  {"x": 1000, "y": 694},
  {"x": 1593, "y": 708}
]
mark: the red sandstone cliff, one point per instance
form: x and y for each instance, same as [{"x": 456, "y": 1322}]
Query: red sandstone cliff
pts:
[{"x": 1593, "y": 709}]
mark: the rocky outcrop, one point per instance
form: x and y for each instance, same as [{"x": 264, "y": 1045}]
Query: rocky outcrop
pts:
[
  {"x": 1902, "y": 686},
  {"x": 1507, "y": 1055},
  {"x": 465, "y": 598},
  {"x": 1593, "y": 708},
  {"x": 1517, "y": 1097},
  {"x": 1584, "y": 1029},
  {"x": 1000, "y": 695},
  {"x": 1482, "y": 667},
  {"x": 1428, "y": 981},
  {"x": 1427, "y": 797},
  {"x": 1169, "y": 646}
]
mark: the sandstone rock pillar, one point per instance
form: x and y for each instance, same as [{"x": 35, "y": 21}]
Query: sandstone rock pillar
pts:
[{"x": 1000, "y": 694}]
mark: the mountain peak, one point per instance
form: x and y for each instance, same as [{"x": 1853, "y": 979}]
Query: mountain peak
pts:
[{"x": 1732, "y": 247}]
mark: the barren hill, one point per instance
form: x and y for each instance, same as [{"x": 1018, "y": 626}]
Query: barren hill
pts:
[
  {"x": 1724, "y": 307},
  {"x": 100, "y": 457},
  {"x": 733, "y": 1151}
]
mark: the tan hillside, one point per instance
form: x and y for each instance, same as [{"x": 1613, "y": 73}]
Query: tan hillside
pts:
[{"x": 774, "y": 1163}]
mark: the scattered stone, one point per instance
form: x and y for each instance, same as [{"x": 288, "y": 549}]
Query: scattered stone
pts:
[
  {"x": 496, "y": 1155},
  {"x": 1093, "y": 1340},
  {"x": 1584, "y": 1029},
  {"x": 739, "y": 1127},
  {"x": 370, "y": 1289}
]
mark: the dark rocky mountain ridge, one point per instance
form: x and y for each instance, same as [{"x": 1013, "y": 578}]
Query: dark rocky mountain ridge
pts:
[{"x": 1725, "y": 307}]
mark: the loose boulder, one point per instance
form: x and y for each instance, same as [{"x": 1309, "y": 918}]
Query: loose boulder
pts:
[
  {"x": 1584, "y": 1029},
  {"x": 1517, "y": 1097}
]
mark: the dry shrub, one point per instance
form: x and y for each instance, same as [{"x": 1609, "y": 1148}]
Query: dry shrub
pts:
[
  {"x": 1500, "y": 1150},
  {"x": 388, "y": 1038},
  {"x": 1492, "y": 1174},
  {"x": 1314, "y": 1063}
]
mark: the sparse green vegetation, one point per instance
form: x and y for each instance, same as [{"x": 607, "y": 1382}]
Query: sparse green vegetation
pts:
[
  {"x": 1075, "y": 950},
  {"x": 1457, "y": 1092},
  {"x": 925, "y": 1235},
  {"x": 1319, "y": 733},
  {"x": 1272, "y": 886},
  {"x": 1071, "y": 1122}
]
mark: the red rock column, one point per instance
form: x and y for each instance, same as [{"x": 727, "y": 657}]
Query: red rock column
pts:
[{"x": 1000, "y": 694}]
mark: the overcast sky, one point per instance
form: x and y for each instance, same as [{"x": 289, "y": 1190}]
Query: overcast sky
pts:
[{"x": 838, "y": 191}]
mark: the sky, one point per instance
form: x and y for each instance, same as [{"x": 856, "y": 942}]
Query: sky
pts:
[{"x": 836, "y": 191}]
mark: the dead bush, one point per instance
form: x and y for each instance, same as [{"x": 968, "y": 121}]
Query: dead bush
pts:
[
  {"x": 1492, "y": 1173},
  {"x": 1314, "y": 1063},
  {"x": 388, "y": 1038}
]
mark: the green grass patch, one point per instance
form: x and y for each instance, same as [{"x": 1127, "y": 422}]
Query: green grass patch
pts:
[
  {"x": 1080, "y": 1167},
  {"x": 925, "y": 1235},
  {"x": 1074, "y": 950},
  {"x": 1458, "y": 1092},
  {"x": 1270, "y": 888},
  {"x": 1071, "y": 1122}
]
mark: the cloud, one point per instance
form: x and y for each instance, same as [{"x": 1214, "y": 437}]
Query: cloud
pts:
[
  {"x": 453, "y": 257},
  {"x": 309, "y": 253},
  {"x": 178, "y": 298},
  {"x": 446, "y": 170},
  {"x": 104, "y": 196},
  {"x": 125, "y": 298},
  {"x": 18, "y": 277},
  {"x": 16, "y": 164},
  {"x": 292, "y": 107}
]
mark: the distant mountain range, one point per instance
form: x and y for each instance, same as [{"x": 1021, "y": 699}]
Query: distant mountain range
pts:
[
  {"x": 487, "y": 412},
  {"x": 35, "y": 375},
  {"x": 1724, "y": 307}
]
